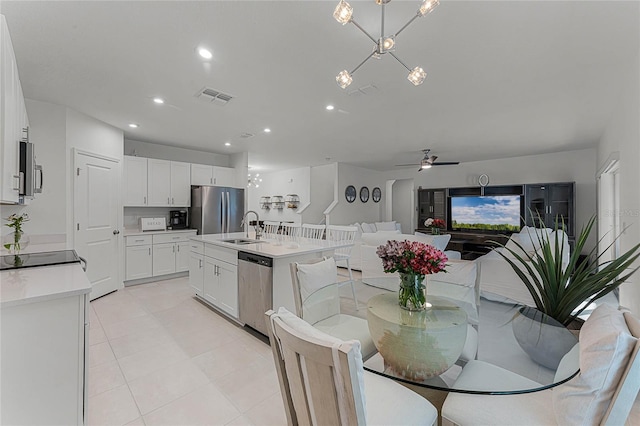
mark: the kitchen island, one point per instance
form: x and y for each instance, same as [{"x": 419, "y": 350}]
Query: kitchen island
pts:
[
  {"x": 214, "y": 275},
  {"x": 44, "y": 325}
]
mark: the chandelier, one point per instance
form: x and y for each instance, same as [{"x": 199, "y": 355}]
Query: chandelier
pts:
[
  {"x": 385, "y": 44},
  {"x": 253, "y": 181}
]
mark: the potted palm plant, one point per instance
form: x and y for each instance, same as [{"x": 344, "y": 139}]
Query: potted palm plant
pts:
[{"x": 561, "y": 290}]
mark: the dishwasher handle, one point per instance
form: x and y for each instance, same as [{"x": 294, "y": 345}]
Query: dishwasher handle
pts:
[{"x": 255, "y": 258}]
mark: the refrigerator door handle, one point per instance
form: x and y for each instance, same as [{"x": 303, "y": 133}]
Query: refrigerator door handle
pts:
[
  {"x": 228, "y": 212},
  {"x": 223, "y": 212}
]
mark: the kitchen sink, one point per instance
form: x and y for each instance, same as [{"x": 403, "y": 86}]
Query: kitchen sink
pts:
[{"x": 242, "y": 241}]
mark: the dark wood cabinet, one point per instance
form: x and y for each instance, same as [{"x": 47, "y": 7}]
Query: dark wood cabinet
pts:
[
  {"x": 549, "y": 205},
  {"x": 432, "y": 203}
]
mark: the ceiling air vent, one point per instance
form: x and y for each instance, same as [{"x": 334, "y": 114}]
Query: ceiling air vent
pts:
[
  {"x": 246, "y": 135},
  {"x": 211, "y": 95}
]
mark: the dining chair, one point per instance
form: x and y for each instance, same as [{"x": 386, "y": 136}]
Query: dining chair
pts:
[
  {"x": 290, "y": 230},
  {"x": 602, "y": 393},
  {"x": 323, "y": 382},
  {"x": 270, "y": 227},
  {"x": 317, "y": 301},
  {"x": 344, "y": 234},
  {"x": 313, "y": 232}
]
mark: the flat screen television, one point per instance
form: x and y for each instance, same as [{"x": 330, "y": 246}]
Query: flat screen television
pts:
[{"x": 499, "y": 213}]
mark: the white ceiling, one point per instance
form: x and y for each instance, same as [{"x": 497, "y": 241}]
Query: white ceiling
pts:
[{"x": 505, "y": 78}]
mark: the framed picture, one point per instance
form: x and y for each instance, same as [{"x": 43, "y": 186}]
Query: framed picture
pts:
[
  {"x": 364, "y": 194},
  {"x": 376, "y": 195},
  {"x": 350, "y": 193}
]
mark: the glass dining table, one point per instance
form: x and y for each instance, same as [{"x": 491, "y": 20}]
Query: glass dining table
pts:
[{"x": 423, "y": 349}]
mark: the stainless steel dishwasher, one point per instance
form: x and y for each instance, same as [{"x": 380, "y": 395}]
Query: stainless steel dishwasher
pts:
[{"x": 255, "y": 289}]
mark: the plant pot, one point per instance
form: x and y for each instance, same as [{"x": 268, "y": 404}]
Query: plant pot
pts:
[
  {"x": 543, "y": 338},
  {"x": 412, "y": 294}
]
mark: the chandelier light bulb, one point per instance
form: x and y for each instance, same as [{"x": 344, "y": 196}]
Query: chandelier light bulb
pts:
[
  {"x": 344, "y": 79},
  {"x": 343, "y": 12},
  {"x": 417, "y": 76},
  {"x": 427, "y": 7},
  {"x": 387, "y": 44}
]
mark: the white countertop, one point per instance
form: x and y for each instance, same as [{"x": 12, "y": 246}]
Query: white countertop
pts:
[
  {"x": 28, "y": 285},
  {"x": 136, "y": 231},
  {"x": 270, "y": 247}
]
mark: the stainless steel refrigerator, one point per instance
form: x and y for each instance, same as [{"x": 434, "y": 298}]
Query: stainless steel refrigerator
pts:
[{"x": 216, "y": 209}]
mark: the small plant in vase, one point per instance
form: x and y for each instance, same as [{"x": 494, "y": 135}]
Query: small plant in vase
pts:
[
  {"x": 413, "y": 260},
  {"x": 435, "y": 224},
  {"x": 17, "y": 240}
]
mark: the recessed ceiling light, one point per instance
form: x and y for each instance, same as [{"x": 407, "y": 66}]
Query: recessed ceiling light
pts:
[
  {"x": 267, "y": 130},
  {"x": 158, "y": 100},
  {"x": 227, "y": 144},
  {"x": 133, "y": 125},
  {"x": 330, "y": 107},
  {"x": 205, "y": 53}
]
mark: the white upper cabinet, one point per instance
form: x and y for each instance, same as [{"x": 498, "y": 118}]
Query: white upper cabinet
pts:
[
  {"x": 180, "y": 184},
  {"x": 224, "y": 176},
  {"x": 168, "y": 183},
  {"x": 135, "y": 181},
  {"x": 13, "y": 118},
  {"x": 201, "y": 174}
]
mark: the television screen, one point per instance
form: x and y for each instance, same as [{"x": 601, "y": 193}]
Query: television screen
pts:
[{"x": 498, "y": 213}]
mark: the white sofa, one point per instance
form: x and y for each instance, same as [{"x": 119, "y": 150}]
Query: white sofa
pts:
[
  {"x": 368, "y": 228},
  {"x": 499, "y": 282}
]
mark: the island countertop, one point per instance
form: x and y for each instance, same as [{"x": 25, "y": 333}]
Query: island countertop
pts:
[{"x": 270, "y": 247}]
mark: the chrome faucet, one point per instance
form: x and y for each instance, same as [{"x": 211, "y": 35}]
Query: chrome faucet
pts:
[{"x": 257, "y": 227}]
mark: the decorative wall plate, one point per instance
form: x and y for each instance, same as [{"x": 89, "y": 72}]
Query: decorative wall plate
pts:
[
  {"x": 483, "y": 179},
  {"x": 376, "y": 195},
  {"x": 350, "y": 193},
  {"x": 364, "y": 194}
]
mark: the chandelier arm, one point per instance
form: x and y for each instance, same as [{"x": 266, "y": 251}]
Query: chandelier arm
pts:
[
  {"x": 407, "y": 24},
  {"x": 362, "y": 29},
  {"x": 398, "y": 59},
  {"x": 362, "y": 63}
]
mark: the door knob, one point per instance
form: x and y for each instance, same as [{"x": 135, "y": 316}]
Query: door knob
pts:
[{"x": 116, "y": 232}]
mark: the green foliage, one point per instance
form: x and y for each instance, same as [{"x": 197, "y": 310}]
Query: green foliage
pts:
[
  {"x": 504, "y": 227},
  {"x": 560, "y": 292}
]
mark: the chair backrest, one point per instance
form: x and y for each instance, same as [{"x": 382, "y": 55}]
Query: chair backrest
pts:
[
  {"x": 318, "y": 379},
  {"x": 344, "y": 234},
  {"x": 315, "y": 289},
  {"x": 628, "y": 388},
  {"x": 270, "y": 227},
  {"x": 315, "y": 232},
  {"x": 291, "y": 230}
]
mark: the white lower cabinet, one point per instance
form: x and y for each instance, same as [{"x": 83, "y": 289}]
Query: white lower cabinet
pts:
[
  {"x": 156, "y": 255},
  {"x": 215, "y": 279}
]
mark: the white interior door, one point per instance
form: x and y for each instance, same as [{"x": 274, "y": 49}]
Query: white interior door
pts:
[{"x": 96, "y": 211}]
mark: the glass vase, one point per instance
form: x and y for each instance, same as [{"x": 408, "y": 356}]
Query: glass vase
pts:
[
  {"x": 412, "y": 294},
  {"x": 435, "y": 231},
  {"x": 15, "y": 242}
]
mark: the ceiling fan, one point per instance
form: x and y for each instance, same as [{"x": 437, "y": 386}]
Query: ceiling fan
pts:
[{"x": 428, "y": 161}]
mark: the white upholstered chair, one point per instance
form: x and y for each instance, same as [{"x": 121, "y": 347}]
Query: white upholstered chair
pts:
[
  {"x": 344, "y": 234},
  {"x": 317, "y": 300},
  {"x": 323, "y": 382},
  {"x": 603, "y": 392},
  {"x": 313, "y": 232},
  {"x": 270, "y": 228}
]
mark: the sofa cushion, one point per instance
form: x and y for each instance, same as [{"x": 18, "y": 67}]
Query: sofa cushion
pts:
[
  {"x": 386, "y": 226},
  {"x": 605, "y": 347},
  {"x": 314, "y": 276},
  {"x": 367, "y": 228},
  {"x": 438, "y": 241}
]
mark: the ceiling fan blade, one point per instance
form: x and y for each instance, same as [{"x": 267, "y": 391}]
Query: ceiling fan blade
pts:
[
  {"x": 446, "y": 163},
  {"x": 433, "y": 158}
]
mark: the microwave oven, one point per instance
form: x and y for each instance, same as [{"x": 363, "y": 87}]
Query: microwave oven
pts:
[{"x": 31, "y": 176}]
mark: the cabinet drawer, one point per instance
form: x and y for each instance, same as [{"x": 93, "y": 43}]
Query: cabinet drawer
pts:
[
  {"x": 196, "y": 247},
  {"x": 172, "y": 237},
  {"x": 226, "y": 255},
  {"x": 138, "y": 240}
]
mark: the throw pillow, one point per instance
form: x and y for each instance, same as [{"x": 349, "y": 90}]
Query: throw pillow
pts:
[
  {"x": 307, "y": 330},
  {"x": 367, "y": 228},
  {"x": 386, "y": 226},
  {"x": 605, "y": 347}
]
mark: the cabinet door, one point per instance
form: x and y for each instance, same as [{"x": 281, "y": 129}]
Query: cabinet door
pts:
[
  {"x": 138, "y": 262},
  {"x": 135, "y": 181},
  {"x": 180, "y": 184},
  {"x": 201, "y": 174},
  {"x": 224, "y": 176},
  {"x": 182, "y": 256},
  {"x": 560, "y": 207},
  {"x": 228, "y": 296},
  {"x": 439, "y": 204},
  {"x": 196, "y": 272},
  {"x": 158, "y": 182},
  {"x": 9, "y": 132},
  {"x": 164, "y": 259},
  {"x": 211, "y": 282},
  {"x": 535, "y": 205}
]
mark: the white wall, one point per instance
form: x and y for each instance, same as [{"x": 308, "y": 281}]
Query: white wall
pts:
[
  {"x": 172, "y": 153},
  {"x": 623, "y": 135},
  {"x": 346, "y": 213},
  {"x": 323, "y": 184},
  {"x": 293, "y": 181},
  {"x": 403, "y": 204}
]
